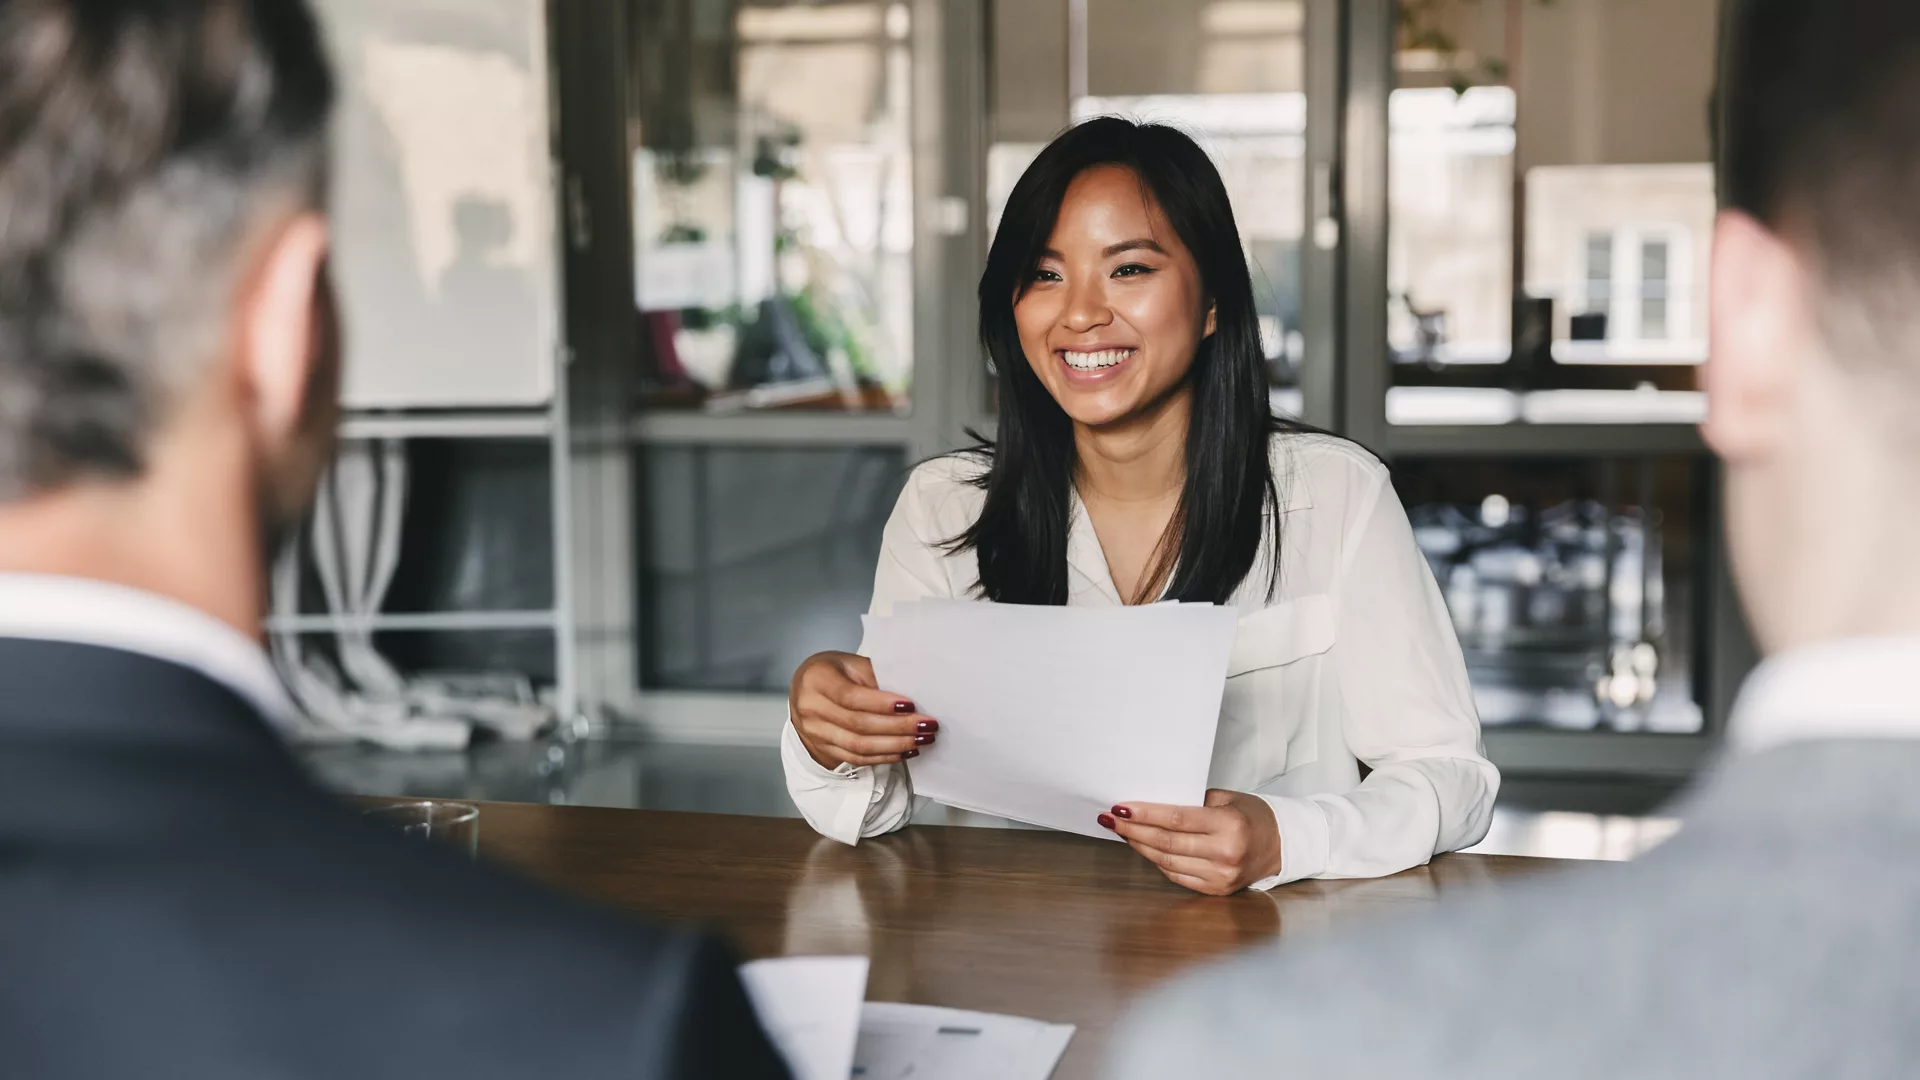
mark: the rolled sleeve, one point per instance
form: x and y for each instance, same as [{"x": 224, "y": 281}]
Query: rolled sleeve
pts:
[
  {"x": 1304, "y": 840},
  {"x": 852, "y": 802},
  {"x": 834, "y": 801}
]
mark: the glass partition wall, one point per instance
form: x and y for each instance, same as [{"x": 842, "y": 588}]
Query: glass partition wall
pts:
[
  {"x": 1231, "y": 74},
  {"x": 1545, "y": 197},
  {"x": 1551, "y": 202},
  {"x": 785, "y": 205},
  {"x": 773, "y": 207}
]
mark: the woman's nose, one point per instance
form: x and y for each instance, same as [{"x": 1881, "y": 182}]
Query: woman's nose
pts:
[{"x": 1086, "y": 307}]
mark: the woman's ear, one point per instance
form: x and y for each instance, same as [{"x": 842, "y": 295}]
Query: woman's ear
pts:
[{"x": 1213, "y": 321}]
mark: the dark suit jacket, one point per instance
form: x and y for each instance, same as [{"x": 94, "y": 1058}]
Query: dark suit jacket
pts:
[{"x": 176, "y": 900}]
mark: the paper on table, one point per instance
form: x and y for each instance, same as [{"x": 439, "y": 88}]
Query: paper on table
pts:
[
  {"x": 810, "y": 1007},
  {"x": 928, "y": 1043},
  {"x": 1051, "y": 715}
]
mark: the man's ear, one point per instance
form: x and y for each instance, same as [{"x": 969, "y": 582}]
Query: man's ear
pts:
[
  {"x": 1761, "y": 326},
  {"x": 278, "y": 328}
]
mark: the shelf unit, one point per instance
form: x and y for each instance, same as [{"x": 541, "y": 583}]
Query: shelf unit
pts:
[
  {"x": 548, "y": 425},
  {"x": 426, "y": 621},
  {"x": 1493, "y": 440}
]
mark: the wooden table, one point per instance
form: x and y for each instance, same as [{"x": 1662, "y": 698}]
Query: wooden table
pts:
[{"x": 1047, "y": 925}]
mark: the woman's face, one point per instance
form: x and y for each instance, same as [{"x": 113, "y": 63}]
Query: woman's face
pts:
[{"x": 1115, "y": 311}]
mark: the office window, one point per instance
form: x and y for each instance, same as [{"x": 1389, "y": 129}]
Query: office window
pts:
[
  {"x": 1551, "y": 197},
  {"x": 773, "y": 204},
  {"x": 1599, "y": 279},
  {"x": 1228, "y": 72},
  {"x": 1638, "y": 299},
  {"x": 1449, "y": 264},
  {"x": 1653, "y": 289}
]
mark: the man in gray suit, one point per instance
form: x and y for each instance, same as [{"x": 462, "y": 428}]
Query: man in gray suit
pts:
[{"x": 1778, "y": 934}]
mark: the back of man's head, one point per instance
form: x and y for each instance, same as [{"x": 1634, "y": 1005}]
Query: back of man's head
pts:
[
  {"x": 1820, "y": 130},
  {"x": 142, "y": 144},
  {"x": 1815, "y": 375}
]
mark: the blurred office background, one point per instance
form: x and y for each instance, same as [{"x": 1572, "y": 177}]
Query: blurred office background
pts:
[{"x": 654, "y": 302}]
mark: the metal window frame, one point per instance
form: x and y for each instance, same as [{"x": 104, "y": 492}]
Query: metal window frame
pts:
[{"x": 948, "y": 40}]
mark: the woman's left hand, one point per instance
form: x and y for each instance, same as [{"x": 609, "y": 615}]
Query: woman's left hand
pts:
[{"x": 1216, "y": 849}]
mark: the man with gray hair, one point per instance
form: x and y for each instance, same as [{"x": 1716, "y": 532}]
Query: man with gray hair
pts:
[
  {"x": 1775, "y": 936},
  {"x": 175, "y": 899}
]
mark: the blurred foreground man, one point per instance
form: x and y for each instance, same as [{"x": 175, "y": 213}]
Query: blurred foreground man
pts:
[
  {"x": 175, "y": 900},
  {"x": 1776, "y": 935}
]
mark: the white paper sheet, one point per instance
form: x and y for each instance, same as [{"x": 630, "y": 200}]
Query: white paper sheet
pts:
[
  {"x": 1051, "y": 715},
  {"x": 810, "y": 1007},
  {"x": 928, "y": 1043}
]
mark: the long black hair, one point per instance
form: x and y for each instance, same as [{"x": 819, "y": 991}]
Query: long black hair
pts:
[{"x": 1229, "y": 496}]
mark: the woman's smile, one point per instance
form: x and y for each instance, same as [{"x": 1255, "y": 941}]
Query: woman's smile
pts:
[{"x": 1089, "y": 366}]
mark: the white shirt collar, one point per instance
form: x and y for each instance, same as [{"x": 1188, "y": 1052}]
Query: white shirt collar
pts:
[
  {"x": 81, "y": 611},
  {"x": 1858, "y": 689},
  {"x": 1085, "y": 554}
]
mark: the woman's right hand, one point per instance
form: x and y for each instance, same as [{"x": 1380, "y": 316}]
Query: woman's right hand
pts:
[{"x": 842, "y": 715}]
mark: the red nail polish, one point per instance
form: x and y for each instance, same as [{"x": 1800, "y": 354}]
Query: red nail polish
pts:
[
  {"x": 928, "y": 727},
  {"x": 1121, "y": 811},
  {"x": 911, "y": 753},
  {"x": 923, "y": 740},
  {"x": 1106, "y": 821},
  {"x": 903, "y": 707}
]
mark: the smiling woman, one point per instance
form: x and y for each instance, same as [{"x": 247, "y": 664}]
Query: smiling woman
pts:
[
  {"x": 1120, "y": 239},
  {"x": 1136, "y": 461}
]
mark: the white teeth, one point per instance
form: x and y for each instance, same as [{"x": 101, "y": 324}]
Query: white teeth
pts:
[{"x": 1094, "y": 361}]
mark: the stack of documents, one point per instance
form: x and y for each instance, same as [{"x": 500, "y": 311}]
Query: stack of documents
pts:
[
  {"x": 1052, "y": 715},
  {"x": 922, "y": 1042},
  {"x": 812, "y": 1009}
]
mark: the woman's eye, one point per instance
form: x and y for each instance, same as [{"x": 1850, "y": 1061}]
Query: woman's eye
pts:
[
  {"x": 1132, "y": 270},
  {"x": 1045, "y": 275}
]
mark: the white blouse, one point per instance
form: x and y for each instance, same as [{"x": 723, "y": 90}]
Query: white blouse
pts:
[{"x": 1352, "y": 660}]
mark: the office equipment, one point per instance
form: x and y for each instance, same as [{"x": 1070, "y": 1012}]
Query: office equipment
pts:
[{"x": 1051, "y": 715}]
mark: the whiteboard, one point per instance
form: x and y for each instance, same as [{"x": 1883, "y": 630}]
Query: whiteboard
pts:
[{"x": 442, "y": 202}]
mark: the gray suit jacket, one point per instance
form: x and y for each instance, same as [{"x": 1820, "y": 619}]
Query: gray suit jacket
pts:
[{"x": 1778, "y": 935}]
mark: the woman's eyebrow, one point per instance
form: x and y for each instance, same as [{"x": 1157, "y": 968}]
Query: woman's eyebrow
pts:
[{"x": 1142, "y": 244}]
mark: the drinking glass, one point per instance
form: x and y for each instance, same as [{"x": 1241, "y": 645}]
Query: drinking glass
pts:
[{"x": 453, "y": 823}]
